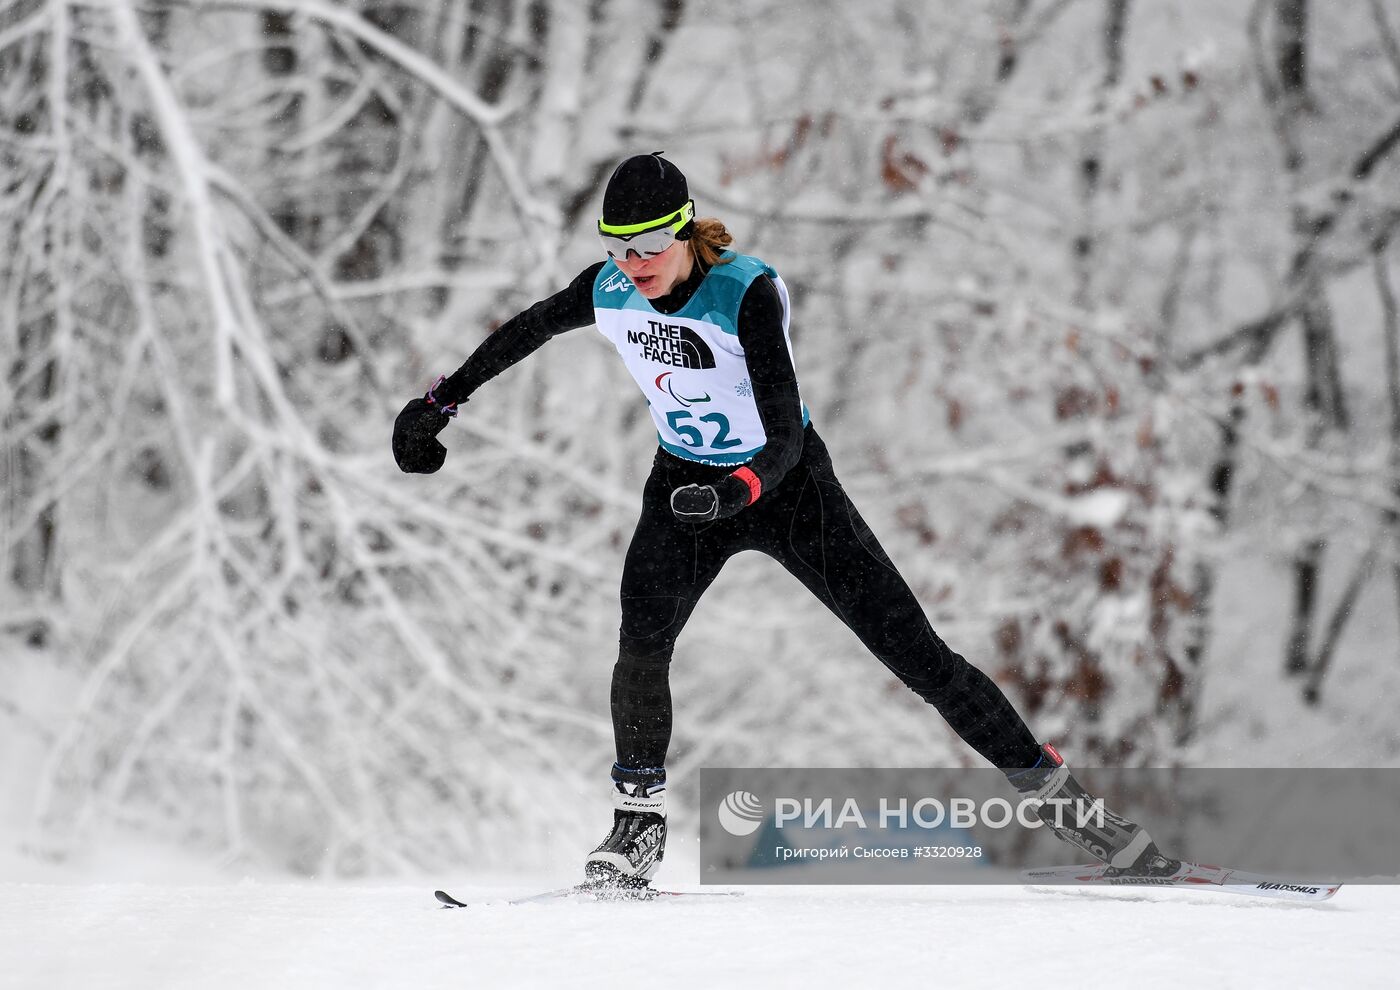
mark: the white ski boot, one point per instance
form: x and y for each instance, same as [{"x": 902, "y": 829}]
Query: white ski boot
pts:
[
  {"x": 1123, "y": 845},
  {"x": 631, "y": 854}
]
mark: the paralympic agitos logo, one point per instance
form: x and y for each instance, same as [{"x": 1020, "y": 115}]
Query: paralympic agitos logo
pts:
[
  {"x": 673, "y": 344},
  {"x": 664, "y": 385}
]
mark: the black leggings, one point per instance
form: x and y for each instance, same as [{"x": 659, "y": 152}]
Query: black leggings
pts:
[{"x": 807, "y": 524}]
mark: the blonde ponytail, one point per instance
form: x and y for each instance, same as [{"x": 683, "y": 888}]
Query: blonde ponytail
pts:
[{"x": 710, "y": 240}]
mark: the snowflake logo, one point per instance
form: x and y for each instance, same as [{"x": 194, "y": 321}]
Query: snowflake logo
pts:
[{"x": 744, "y": 388}]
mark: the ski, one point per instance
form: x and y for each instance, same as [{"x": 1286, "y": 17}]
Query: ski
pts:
[
  {"x": 587, "y": 892},
  {"x": 1192, "y": 875}
]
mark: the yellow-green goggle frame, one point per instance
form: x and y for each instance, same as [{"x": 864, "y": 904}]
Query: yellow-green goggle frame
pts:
[{"x": 647, "y": 239}]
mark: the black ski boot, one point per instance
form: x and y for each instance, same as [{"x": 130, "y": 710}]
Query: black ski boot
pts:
[
  {"x": 1123, "y": 845},
  {"x": 631, "y": 854}
]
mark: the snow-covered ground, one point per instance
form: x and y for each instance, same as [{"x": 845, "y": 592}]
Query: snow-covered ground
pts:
[
  {"x": 265, "y": 934},
  {"x": 303, "y": 935}
]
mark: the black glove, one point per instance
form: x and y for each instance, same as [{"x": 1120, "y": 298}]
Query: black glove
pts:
[
  {"x": 702, "y": 503},
  {"x": 416, "y": 448}
]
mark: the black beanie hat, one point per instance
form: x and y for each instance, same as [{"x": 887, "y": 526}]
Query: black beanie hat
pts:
[{"x": 643, "y": 188}]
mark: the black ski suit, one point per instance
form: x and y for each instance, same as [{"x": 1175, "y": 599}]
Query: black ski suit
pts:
[{"x": 803, "y": 519}]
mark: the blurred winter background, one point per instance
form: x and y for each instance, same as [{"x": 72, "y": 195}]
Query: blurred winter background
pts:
[{"x": 1095, "y": 306}]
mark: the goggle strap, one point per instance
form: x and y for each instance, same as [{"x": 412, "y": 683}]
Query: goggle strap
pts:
[{"x": 675, "y": 220}]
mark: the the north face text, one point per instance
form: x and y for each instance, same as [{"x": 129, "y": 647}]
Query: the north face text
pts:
[{"x": 673, "y": 345}]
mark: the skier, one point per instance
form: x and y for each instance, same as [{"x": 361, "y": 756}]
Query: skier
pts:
[{"x": 705, "y": 333}]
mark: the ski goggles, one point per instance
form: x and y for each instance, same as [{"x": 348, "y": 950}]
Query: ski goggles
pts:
[{"x": 647, "y": 239}]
